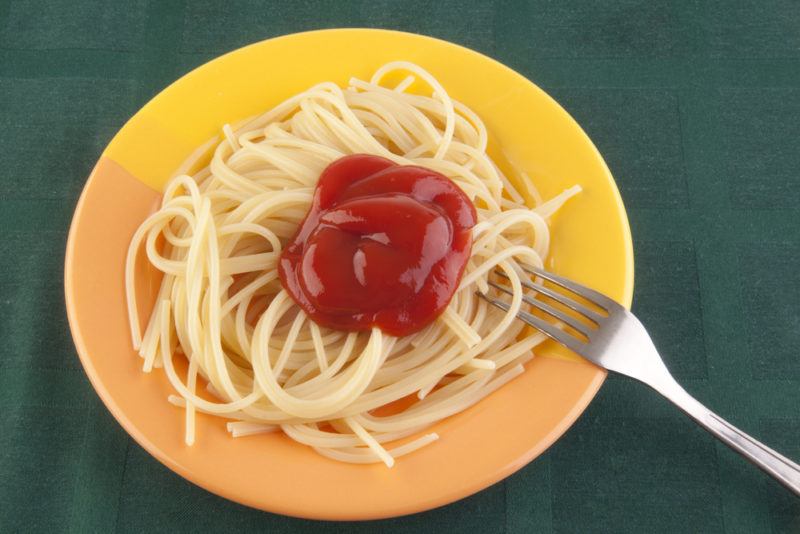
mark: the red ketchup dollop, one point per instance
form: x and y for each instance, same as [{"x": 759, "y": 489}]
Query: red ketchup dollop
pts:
[{"x": 383, "y": 245}]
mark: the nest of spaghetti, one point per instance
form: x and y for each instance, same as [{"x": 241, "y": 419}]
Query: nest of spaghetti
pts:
[{"x": 359, "y": 397}]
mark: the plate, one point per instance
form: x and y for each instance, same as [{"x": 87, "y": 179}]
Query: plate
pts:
[{"x": 530, "y": 132}]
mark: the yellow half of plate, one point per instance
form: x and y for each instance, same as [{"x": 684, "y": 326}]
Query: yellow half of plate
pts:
[{"x": 530, "y": 133}]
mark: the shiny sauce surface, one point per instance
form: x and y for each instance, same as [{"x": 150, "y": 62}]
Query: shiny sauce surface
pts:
[{"x": 383, "y": 245}]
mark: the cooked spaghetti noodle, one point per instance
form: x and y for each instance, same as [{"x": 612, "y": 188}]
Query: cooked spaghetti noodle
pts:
[{"x": 266, "y": 365}]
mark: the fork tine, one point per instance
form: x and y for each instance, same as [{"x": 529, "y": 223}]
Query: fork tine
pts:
[
  {"x": 546, "y": 308},
  {"x": 589, "y": 294},
  {"x": 551, "y": 331},
  {"x": 558, "y": 297}
]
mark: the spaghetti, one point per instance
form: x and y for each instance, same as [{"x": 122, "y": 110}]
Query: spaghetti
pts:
[{"x": 358, "y": 397}]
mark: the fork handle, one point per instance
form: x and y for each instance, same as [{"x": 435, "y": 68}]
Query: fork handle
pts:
[{"x": 781, "y": 468}]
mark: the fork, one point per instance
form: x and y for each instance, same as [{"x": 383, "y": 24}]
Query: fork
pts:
[{"x": 613, "y": 338}]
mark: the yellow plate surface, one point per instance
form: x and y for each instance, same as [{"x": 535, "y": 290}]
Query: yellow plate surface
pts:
[{"x": 529, "y": 132}]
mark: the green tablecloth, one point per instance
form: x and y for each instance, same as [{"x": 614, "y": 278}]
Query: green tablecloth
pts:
[{"x": 696, "y": 107}]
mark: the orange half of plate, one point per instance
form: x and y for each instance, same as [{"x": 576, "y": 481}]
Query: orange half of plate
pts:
[{"x": 530, "y": 134}]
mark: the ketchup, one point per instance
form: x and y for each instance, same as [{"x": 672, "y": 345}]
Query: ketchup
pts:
[{"x": 383, "y": 245}]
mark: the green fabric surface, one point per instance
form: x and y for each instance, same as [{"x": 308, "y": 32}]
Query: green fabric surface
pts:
[{"x": 695, "y": 106}]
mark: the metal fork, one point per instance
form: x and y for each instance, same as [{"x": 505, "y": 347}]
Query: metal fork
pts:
[{"x": 613, "y": 338}]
